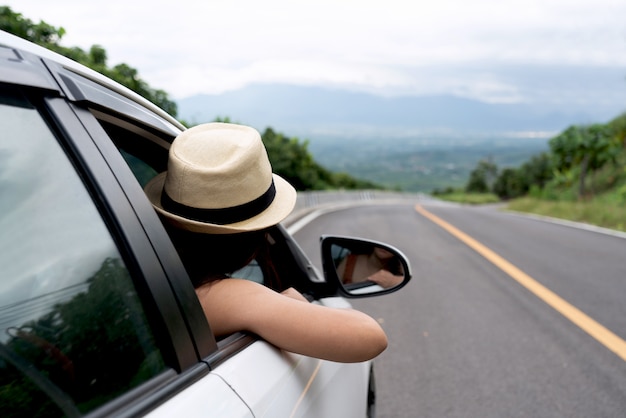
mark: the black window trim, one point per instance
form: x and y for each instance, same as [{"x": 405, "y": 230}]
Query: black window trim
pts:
[
  {"x": 179, "y": 282},
  {"x": 150, "y": 279},
  {"x": 150, "y": 395}
]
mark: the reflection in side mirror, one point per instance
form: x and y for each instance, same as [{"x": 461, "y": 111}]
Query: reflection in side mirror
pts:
[{"x": 362, "y": 267}]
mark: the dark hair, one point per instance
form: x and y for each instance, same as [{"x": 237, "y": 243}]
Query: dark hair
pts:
[{"x": 210, "y": 257}]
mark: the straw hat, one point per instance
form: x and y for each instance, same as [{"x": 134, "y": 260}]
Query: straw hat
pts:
[{"x": 220, "y": 181}]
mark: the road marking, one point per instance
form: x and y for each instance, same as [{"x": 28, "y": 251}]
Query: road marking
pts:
[{"x": 579, "y": 318}]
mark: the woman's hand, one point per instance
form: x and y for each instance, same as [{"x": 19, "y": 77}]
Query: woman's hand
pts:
[{"x": 385, "y": 279}]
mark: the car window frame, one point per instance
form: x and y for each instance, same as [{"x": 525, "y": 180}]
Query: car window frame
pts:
[{"x": 125, "y": 227}]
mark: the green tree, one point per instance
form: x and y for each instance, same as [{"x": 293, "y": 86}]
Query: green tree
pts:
[
  {"x": 516, "y": 182},
  {"x": 482, "y": 178},
  {"x": 291, "y": 159},
  {"x": 538, "y": 171},
  {"x": 509, "y": 184},
  {"x": 584, "y": 148},
  {"x": 49, "y": 37},
  {"x": 40, "y": 33},
  {"x": 618, "y": 127}
]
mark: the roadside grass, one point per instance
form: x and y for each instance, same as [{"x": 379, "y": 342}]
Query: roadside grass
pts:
[
  {"x": 469, "y": 198},
  {"x": 608, "y": 211}
]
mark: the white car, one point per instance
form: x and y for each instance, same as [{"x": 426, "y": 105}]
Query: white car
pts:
[{"x": 97, "y": 314}]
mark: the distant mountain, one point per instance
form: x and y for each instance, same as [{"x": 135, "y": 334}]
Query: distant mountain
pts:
[{"x": 311, "y": 111}]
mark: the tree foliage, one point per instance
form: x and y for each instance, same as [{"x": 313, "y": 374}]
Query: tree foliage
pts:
[
  {"x": 482, "y": 177},
  {"x": 95, "y": 58},
  {"x": 584, "y": 148},
  {"x": 91, "y": 347},
  {"x": 516, "y": 182},
  {"x": 291, "y": 159},
  {"x": 575, "y": 155}
]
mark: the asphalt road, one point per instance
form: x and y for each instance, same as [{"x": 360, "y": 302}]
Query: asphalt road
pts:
[{"x": 467, "y": 340}]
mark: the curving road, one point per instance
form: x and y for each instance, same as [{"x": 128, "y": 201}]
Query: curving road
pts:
[{"x": 467, "y": 339}]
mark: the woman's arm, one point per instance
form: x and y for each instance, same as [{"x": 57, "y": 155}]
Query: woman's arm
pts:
[{"x": 291, "y": 323}]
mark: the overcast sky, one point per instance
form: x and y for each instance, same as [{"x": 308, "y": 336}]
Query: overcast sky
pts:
[{"x": 493, "y": 50}]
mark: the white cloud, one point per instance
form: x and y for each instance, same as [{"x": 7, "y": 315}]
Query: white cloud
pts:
[{"x": 390, "y": 47}]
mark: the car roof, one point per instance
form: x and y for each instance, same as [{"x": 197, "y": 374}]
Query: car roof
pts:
[{"x": 15, "y": 42}]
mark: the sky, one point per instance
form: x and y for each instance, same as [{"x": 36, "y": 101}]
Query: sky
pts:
[{"x": 497, "y": 51}]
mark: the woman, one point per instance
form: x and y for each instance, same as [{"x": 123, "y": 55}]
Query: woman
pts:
[{"x": 218, "y": 194}]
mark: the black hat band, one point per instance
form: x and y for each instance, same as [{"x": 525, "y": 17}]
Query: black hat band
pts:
[{"x": 221, "y": 216}]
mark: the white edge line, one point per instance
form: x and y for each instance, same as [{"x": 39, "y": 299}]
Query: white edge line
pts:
[
  {"x": 334, "y": 207},
  {"x": 572, "y": 224},
  {"x": 302, "y": 222}
]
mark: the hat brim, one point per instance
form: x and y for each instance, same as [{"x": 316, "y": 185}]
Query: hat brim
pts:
[{"x": 277, "y": 211}]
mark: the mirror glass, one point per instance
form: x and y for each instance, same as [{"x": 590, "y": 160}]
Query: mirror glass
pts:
[{"x": 365, "y": 268}]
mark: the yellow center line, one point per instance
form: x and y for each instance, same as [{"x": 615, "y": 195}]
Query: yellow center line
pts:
[{"x": 579, "y": 318}]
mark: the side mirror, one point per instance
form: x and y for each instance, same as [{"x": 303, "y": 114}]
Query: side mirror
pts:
[{"x": 362, "y": 268}]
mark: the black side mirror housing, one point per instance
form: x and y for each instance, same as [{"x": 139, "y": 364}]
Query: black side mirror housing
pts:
[{"x": 360, "y": 268}]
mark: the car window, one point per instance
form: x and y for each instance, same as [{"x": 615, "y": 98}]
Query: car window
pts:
[
  {"x": 252, "y": 272},
  {"x": 142, "y": 171},
  {"x": 144, "y": 152},
  {"x": 73, "y": 333}
]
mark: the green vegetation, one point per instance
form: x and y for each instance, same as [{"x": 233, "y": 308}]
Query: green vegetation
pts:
[
  {"x": 49, "y": 37},
  {"x": 292, "y": 160},
  {"x": 581, "y": 178},
  {"x": 94, "y": 328},
  {"x": 461, "y": 196},
  {"x": 603, "y": 211}
]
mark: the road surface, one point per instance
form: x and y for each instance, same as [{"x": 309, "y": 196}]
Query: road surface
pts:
[{"x": 506, "y": 316}]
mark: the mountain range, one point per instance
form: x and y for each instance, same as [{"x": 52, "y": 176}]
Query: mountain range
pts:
[
  {"x": 417, "y": 143},
  {"x": 316, "y": 111}
]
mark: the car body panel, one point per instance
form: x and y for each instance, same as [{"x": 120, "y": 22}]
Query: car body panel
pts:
[
  {"x": 209, "y": 397},
  {"x": 276, "y": 383}
]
